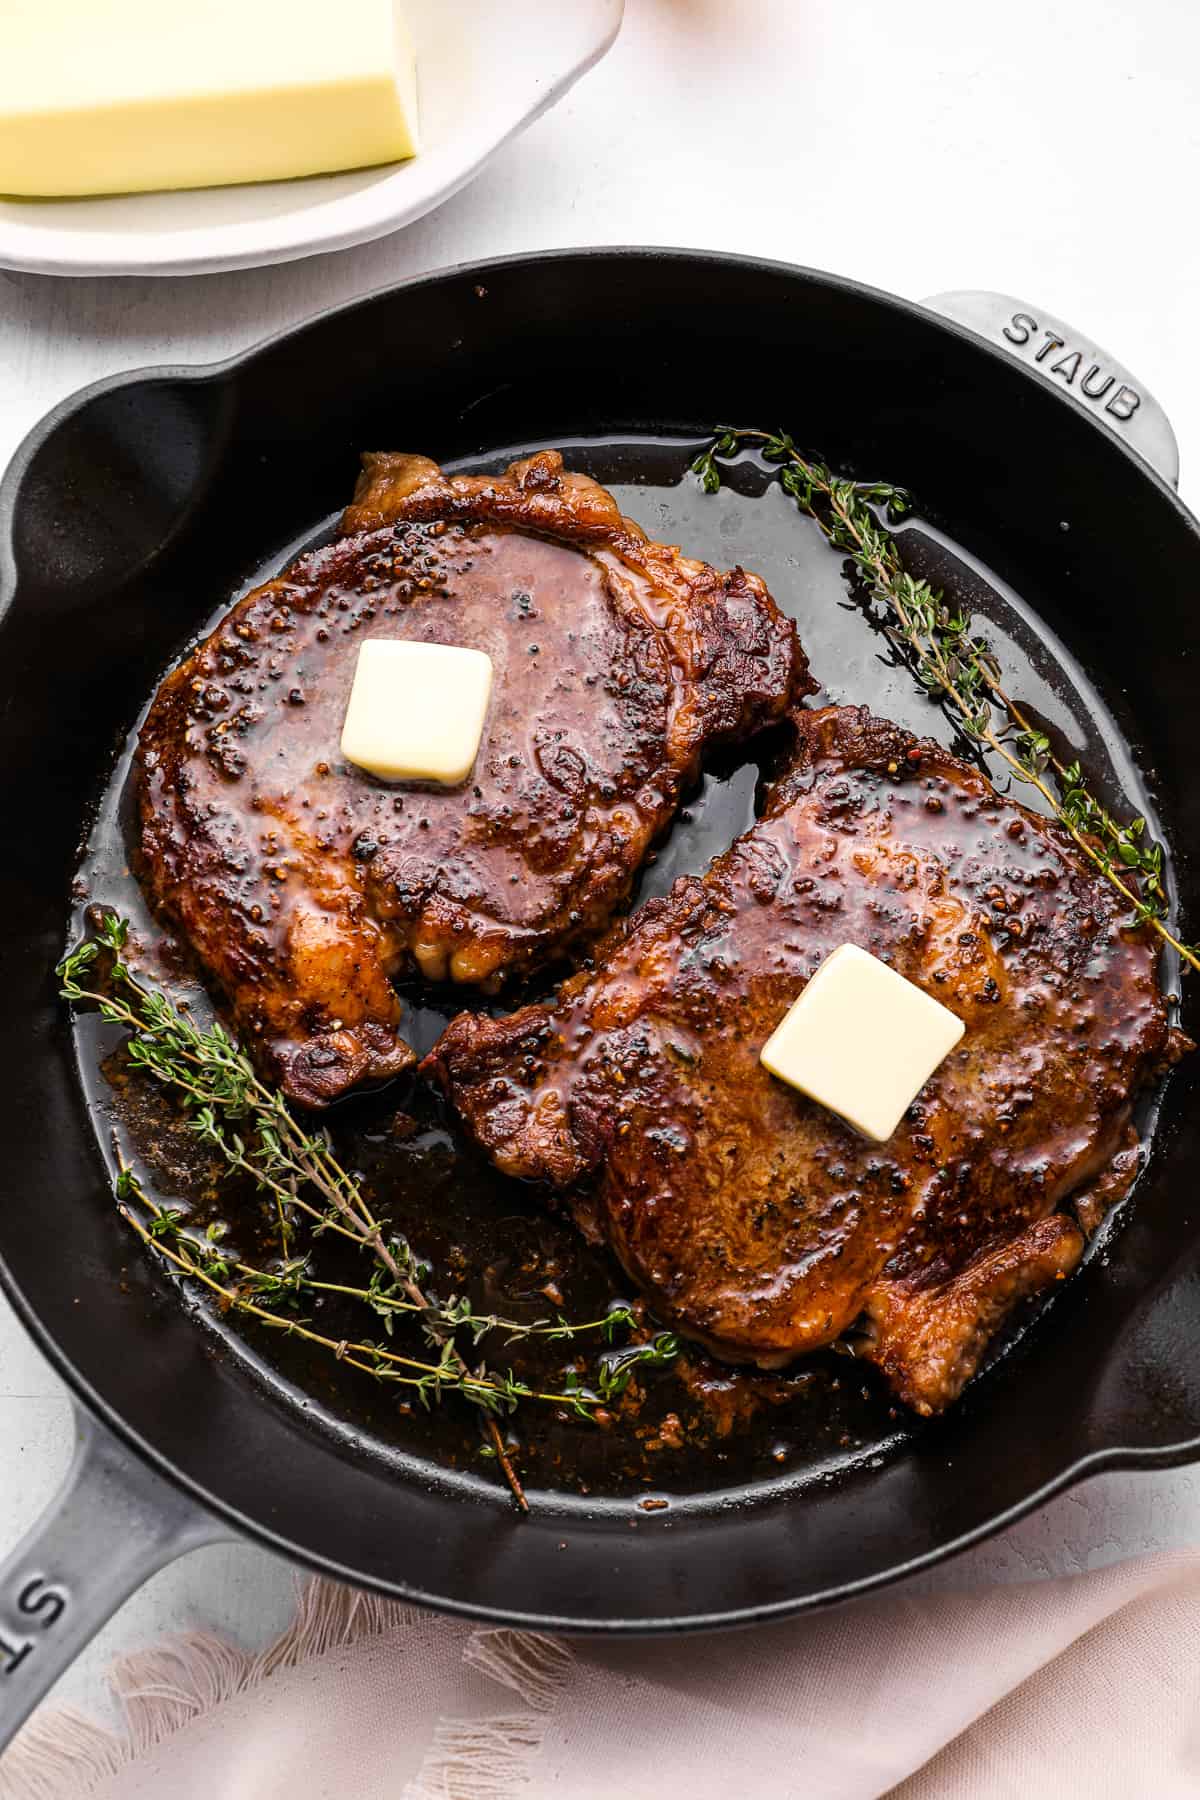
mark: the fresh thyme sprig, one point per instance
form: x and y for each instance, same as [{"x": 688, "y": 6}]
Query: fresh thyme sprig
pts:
[
  {"x": 162, "y": 1231},
  {"x": 219, "y": 1085},
  {"x": 251, "y": 1127},
  {"x": 956, "y": 665}
]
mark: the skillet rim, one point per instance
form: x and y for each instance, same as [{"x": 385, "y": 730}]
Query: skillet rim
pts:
[
  {"x": 1109, "y": 1457},
  {"x": 39, "y": 432}
]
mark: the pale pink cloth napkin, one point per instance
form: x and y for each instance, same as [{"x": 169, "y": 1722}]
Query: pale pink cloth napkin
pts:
[{"x": 1088, "y": 1686}]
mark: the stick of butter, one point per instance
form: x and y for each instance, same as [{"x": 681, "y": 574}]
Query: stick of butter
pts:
[{"x": 124, "y": 96}]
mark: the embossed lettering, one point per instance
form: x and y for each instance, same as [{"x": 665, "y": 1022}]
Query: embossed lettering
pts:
[
  {"x": 42, "y": 1601},
  {"x": 1124, "y": 403},
  {"x": 1020, "y": 328},
  {"x": 1067, "y": 366},
  {"x": 1095, "y": 393},
  {"x": 12, "y": 1656}
]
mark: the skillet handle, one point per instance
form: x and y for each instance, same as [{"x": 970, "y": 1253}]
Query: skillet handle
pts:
[
  {"x": 112, "y": 1525},
  {"x": 1095, "y": 380}
]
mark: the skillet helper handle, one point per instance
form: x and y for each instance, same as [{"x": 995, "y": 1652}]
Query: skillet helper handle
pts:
[
  {"x": 112, "y": 1525},
  {"x": 1096, "y": 381}
]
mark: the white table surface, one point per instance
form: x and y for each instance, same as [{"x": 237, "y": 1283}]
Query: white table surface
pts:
[{"x": 1052, "y": 152}]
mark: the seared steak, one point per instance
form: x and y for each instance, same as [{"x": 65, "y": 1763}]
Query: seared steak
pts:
[
  {"x": 756, "y": 1220},
  {"x": 303, "y": 884}
]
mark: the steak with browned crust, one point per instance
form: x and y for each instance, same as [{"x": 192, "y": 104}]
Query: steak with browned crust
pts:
[
  {"x": 303, "y": 884},
  {"x": 755, "y": 1219}
]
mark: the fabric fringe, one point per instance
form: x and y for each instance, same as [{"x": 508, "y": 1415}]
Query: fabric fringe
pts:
[
  {"x": 63, "y": 1755},
  {"x": 526, "y": 1663},
  {"x": 161, "y": 1690},
  {"x": 55, "y": 1753},
  {"x": 328, "y": 1617},
  {"x": 479, "y": 1759},
  {"x": 494, "y": 1759}
]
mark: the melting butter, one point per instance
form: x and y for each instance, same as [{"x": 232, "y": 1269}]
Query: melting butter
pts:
[
  {"x": 417, "y": 710},
  {"x": 862, "y": 1041}
]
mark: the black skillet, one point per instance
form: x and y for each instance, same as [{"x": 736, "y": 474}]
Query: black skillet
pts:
[{"x": 141, "y": 504}]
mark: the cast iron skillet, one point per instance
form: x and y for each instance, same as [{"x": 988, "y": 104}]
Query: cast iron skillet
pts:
[{"x": 137, "y": 504}]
